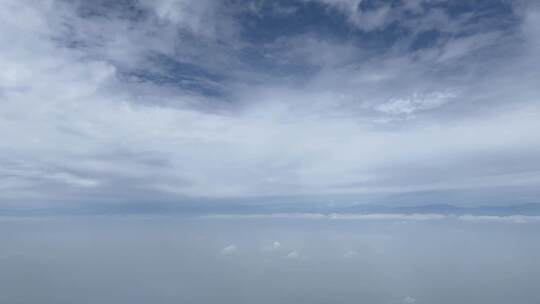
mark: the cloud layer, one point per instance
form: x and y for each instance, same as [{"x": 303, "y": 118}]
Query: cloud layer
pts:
[
  {"x": 174, "y": 100},
  {"x": 119, "y": 259}
]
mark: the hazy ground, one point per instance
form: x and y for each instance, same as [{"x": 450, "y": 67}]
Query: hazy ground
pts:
[{"x": 156, "y": 259}]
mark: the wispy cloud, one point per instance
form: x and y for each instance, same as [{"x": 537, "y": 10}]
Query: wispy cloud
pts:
[
  {"x": 393, "y": 217},
  {"x": 517, "y": 219},
  {"x": 186, "y": 100}
]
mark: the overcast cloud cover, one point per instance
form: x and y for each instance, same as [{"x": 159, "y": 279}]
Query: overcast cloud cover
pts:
[{"x": 176, "y": 100}]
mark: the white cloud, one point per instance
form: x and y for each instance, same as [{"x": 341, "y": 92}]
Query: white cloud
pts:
[
  {"x": 388, "y": 216},
  {"x": 456, "y": 48},
  {"x": 396, "y": 217},
  {"x": 367, "y": 20},
  {"x": 516, "y": 219},
  {"x": 313, "y": 50},
  {"x": 335, "y": 216},
  {"x": 350, "y": 254},
  {"x": 227, "y": 250},
  {"x": 74, "y": 130},
  {"x": 203, "y": 17},
  {"x": 293, "y": 255},
  {"x": 372, "y": 19},
  {"x": 418, "y": 102},
  {"x": 273, "y": 247},
  {"x": 409, "y": 300},
  {"x": 269, "y": 216}
]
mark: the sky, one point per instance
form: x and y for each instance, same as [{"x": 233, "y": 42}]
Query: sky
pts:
[
  {"x": 258, "y": 151},
  {"x": 134, "y": 102}
]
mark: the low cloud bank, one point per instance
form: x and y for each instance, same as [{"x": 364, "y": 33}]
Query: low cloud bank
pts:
[{"x": 518, "y": 219}]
